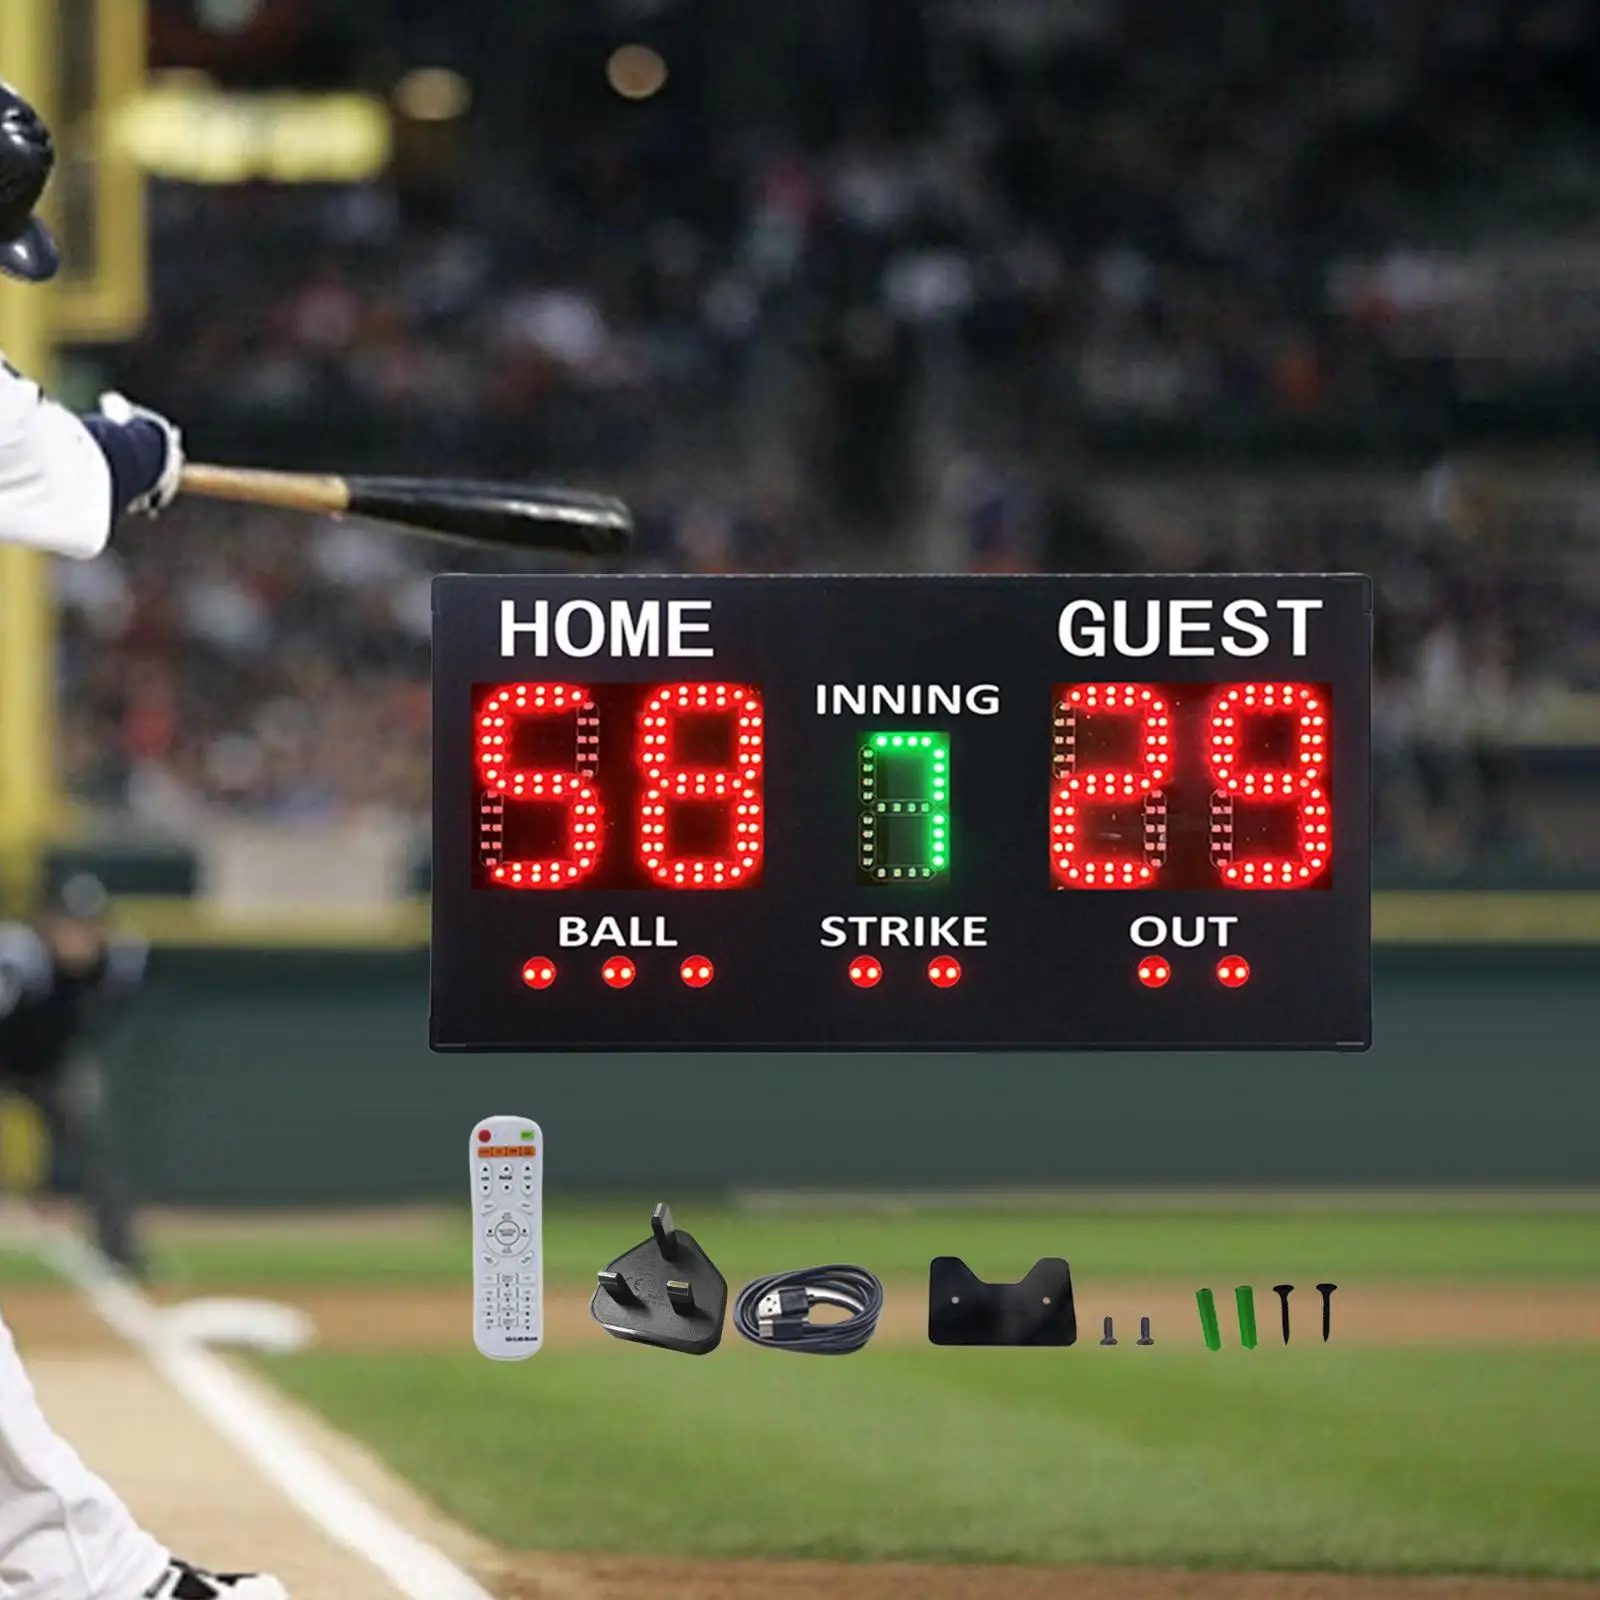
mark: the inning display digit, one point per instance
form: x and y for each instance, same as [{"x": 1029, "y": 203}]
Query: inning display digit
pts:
[{"x": 903, "y": 791}]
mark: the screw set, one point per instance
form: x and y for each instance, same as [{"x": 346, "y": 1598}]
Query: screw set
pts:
[{"x": 1144, "y": 1332}]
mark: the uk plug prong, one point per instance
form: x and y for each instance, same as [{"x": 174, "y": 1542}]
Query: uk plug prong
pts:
[
  {"x": 681, "y": 1296},
  {"x": 661, "y": 1225},
  {"x": 616, "y": 1286}
]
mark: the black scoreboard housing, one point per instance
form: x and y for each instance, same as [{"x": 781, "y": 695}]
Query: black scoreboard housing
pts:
[{"x": 1057, "y": 969}]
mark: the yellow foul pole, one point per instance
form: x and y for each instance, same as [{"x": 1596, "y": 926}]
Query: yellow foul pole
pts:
[{"x": 28, "y": 783}]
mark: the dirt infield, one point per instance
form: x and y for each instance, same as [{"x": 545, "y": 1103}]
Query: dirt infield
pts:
[
  {"x": 194, "y": 1490},
  {"x": 200, "y": 1494},
  {"x": 616, "y": 1579}
]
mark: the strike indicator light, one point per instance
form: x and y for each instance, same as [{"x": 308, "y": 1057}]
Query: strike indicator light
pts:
[{"x": 866, "y": 972}]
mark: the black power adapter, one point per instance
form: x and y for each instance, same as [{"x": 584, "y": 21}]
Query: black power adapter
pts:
[{"x": 664, "y": 1292}]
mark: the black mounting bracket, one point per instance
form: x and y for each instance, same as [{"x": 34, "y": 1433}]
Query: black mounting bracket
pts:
[
  {"x": 963, "y": 1309},
  {"x": 664, "y": 1292}
]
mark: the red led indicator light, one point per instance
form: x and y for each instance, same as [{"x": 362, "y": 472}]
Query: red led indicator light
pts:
[
  {"x": 1154, "y": 972},
  {"x": 865, "y": 971},
  {"x": 619, "y": 972},
  {"x": 1233, "y": 971},
  {"x": 696, "y": 971},
  {"x": 539, "y": 973},
  {"x": 944, "y": 972}
]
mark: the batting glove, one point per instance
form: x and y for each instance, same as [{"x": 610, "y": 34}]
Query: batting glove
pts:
[{"x": 121, "y": 410}]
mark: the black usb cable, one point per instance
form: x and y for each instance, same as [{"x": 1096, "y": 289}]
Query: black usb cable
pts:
[{"x": 775, "y": 1310}]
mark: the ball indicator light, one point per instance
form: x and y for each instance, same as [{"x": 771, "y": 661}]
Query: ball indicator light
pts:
[{"x": 538, "y": 972}]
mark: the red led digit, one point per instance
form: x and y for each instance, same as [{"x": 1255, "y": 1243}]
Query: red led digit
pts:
[
  {"x": 619, "y": 972},
  {"x": 731, "y": 793},
  {"x": 1245, "y": 784},
  {"x": 1154, "y": 972},
  {"x": 1082, "y": 789},
  {"x": 507, "y": 784},
  {"x": 539, "y": 972}
]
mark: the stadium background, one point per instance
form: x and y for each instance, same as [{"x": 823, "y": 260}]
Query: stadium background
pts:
[{"x": 1070, "y": 285}]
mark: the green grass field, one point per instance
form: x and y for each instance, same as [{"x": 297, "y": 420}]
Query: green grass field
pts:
[
  {"x": 1198, "y": 1244},
  {"x": 1406, "y": 1461},
  {"x": 1410, "y": 1459}
]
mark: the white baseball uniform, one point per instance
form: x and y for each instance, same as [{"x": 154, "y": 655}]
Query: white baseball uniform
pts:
[
  {"x": 55, "y": 482},
  {"x": 64, "y": 1534}
]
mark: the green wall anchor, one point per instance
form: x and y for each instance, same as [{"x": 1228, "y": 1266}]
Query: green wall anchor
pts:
[{"x": 1245, "y": 1298}]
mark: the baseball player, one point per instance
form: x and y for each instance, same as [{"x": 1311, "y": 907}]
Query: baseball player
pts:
[
  {"x": 63, "y": 977},
  {"x": 64, "y": 1534}
]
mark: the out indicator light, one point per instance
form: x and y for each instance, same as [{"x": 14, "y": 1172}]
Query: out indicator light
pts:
[
  {"x": 539, "y": 972},
  {"x": 1233, "y": 972},
  {"x": 1154, "y": 972}
]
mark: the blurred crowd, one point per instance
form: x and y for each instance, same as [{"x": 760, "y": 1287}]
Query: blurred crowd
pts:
[
  {"x": 245, "y": 663},
  {"x": 868, "y": 309},
  {"x": 1149, "y": 213}
]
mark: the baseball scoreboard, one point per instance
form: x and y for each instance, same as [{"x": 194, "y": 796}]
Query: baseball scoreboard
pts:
[{"x": 901, "y": 812}]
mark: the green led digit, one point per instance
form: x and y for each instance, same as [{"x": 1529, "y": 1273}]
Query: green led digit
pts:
[{"x": 904, "y": 794}]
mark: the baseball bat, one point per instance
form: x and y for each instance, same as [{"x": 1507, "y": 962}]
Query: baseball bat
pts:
[{"x": 509, "y": 516}]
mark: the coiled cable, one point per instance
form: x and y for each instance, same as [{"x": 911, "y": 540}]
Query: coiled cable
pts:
[{"x": 775, "y": 1310}]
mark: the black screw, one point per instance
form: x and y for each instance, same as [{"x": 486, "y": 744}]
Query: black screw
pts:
[
  {"x": 1283, "y": 1291},
  {"x": 1110, "y": 1337},
  {"x": 1326, "y": 1291},
  {"x": 1144, "y": 1331}
]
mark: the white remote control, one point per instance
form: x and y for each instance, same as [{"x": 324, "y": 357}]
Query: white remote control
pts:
[{"x": 507, "y": 1162}]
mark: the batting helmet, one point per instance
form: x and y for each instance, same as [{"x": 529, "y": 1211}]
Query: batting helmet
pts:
[{"x": 26, "y": 156}]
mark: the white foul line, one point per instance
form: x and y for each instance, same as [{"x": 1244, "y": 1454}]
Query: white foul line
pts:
[{"x": 347, "y": 1517}]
